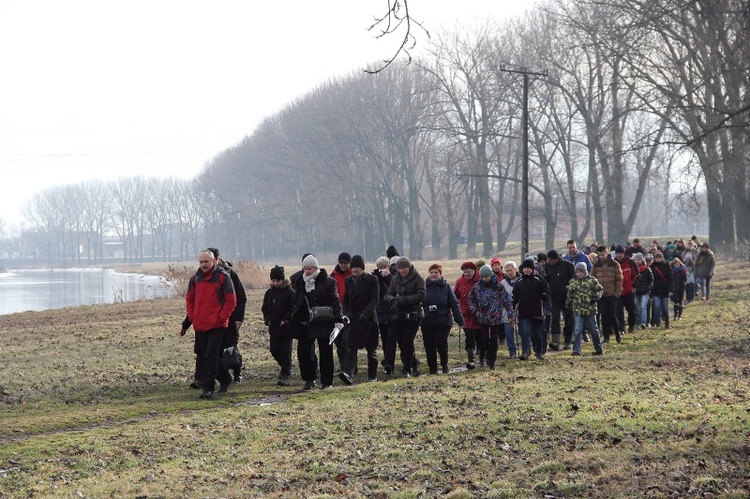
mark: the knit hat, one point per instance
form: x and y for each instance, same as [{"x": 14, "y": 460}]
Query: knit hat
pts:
[
  {"x": 619, "y": 249},
  {"x": 469, "y": 265},
  {"x": 671, "y": 247},
  {"x": 704, "y": 245},
  {"x": 215, "y": 251},
  {"x": 526, "y": 263},
  {"x": 345, "y": 257},
  {"x": 277, "y": 273},
  {"x": 495, "y": 261},
  {"x": 582, "y": 266},
  {"x": 394, "y": 259},
  {"x": 403, "y": 263},
  {"x": 310, "y": 261},
  {"x": 358, "y": 261},
  {"x": 391, "y": 251},
  {"x": 553, "y": 255},
  {"x": 486, "y": 271}
]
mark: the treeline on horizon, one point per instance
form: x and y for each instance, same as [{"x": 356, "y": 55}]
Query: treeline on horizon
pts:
[{"x": 641, "y": 120}]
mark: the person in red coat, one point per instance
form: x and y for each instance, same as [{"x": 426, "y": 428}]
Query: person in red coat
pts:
[
  {"x": 210, "y": 301},
  {"x": 472, "y": 327},
  {"x": 627, "y": 299}
]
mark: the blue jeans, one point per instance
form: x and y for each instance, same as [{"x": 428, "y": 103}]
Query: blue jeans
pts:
[
  {"x": 661, "y": 310},
  {"x": 704, "y": 284},
  {"x": 531, "y": 330},
  {"x": 590, "y": 322},
  {"x": 642, "y": 301},
  {"x": 510, "y": 339}
]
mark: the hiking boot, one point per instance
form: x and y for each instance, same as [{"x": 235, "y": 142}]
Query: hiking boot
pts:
[
  {"x": 482, "y": 363},
  {"x": 598, "y": 352},
  {"x": 566, "y": 346},
  {"x": 283, "y": 381},
  {"x": 415, "y": 371},
  {"x": 523, "y": 357},
  {"x": 196, "y": 384},
  {"x": 388, "y": 370},
  {"x": 309, "y": 385},
  {"x": 446, "y": 370},
  {"x": 326, "y": 387},
  {"x": 554, "y": 347},
  {"x": 343, "y": 376},
  {"x": 206, "y": 394},
  {"x": 237, "y": 378},
  {"x": 433, "y": 373},
  {"x": 223, "y": 388},
  {"x": 576, "y": 354}
]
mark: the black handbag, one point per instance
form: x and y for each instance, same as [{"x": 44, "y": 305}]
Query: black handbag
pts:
[
  {"x": 322, "y": 313},
  {"x": 231, "y": 358}
]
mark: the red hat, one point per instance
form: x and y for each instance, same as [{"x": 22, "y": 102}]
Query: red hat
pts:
[
  {"x": 495, "y": 261},
  {"x": 704, "y": 245},
  {"x": 469, "y": 265}
]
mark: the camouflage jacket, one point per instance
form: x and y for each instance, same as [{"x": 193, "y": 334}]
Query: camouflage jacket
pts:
[{"x": 583, "y": 295}]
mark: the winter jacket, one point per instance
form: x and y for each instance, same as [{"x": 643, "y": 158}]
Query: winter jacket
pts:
[
  {"x": 644, "y": 281},
  {"x": 340, "y": 276},
  {"x": 558, "y": 278},
  {"x": 360, "y": 305},
  {"x": 679, "y": 280},
  {"x": 384, "y": 282},
  {"x": 277, "y": 306},
  {"x": 490, "y": 303},
  {"x": 408, "y": 292},
  {"x": 324, "y": 294},
  {"x": 210, "y": 299},
  {"x": 609, "y": 275},
  {"x": 662, "y": 279},
  {"x": 530, "y": 296},
  {"x": 507, "y": 285},
  {"x": 629, "y": 275},
  {"x": 583, "y": 294},
  {"x": 461, "y": 290},
  {"x": 705, "y": 263},
  {"x": 440, "y": 295}
]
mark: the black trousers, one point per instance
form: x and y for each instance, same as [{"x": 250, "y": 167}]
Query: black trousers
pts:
[
  {"x": 627, "y": 303},
  {"x": 350, "y": 361},
  {"x": 402, "y": 334},
  {"x": 559, "y": 311},
  {"x": 435, "y": 340},
  {"x": 308, "y": 361},
  {"x": 608, "y": 311},
  {"x": 491, "y": 337},
  {"x": 208, "y": 343},
  {"x": 281, "y": 348},
  {"x": 475, "y": 340}
]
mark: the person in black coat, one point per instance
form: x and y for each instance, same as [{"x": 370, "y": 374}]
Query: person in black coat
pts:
[
  {"x": 314, "y": 288},
  {"x": 360, "y": 306},
  {"x": 559, "y": 274},
  {"x": 405, "y": 297},
  {"x": 440, "y": 310},
  {"x": 383, "y": 274},
  {"x": 530, "y": 294},
  {"x": 278, "y": 303}
]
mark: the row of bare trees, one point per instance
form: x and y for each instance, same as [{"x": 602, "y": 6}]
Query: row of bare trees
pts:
[
  {"x": 644, "y": 108},
  {"x": 131, "y": 218}
]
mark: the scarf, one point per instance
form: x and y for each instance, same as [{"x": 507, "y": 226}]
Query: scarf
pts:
[{"x": 310, "y": 281}]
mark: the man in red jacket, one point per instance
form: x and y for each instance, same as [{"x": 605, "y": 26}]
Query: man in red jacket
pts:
[{"x": 210, "y": 301}]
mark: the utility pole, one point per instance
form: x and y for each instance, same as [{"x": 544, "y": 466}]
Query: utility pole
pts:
[{"x": 525, "y": 177}]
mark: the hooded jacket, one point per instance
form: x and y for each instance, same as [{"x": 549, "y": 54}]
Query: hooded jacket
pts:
[
  {"x": 360, "y": 305},
  {"x": 210, "y": 299},
  {"x": 583, "y": 294},
  {"x": 705, "y": 263},
  {"x": 530, "y": 296},
  {"x": 490, "y": 303},
  {"x": 558, "y": 278},
  {"x": 278, "y": 304},
  {"x": 609, "y": 275}
]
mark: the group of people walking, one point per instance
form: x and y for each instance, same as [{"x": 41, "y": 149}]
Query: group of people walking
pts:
[{"x": 569, "y": 298}]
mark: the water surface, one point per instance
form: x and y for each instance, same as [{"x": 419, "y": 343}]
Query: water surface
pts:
[{"x": 22, "y": 290}]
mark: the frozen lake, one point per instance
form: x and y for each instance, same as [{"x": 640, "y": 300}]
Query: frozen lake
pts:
[{"x": 22, "y": 290}]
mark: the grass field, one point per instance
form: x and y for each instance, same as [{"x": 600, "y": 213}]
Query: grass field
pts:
[{"x": 96, "y": 403}]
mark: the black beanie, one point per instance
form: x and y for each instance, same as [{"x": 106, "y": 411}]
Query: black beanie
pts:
[
  {"x": 277, "y": 273},
  {"x": 345, "y": 257},
  {"x": 358, "y": 261},
  {"x": 391, "y": 252},
  {"x": 215, "y": 251}
]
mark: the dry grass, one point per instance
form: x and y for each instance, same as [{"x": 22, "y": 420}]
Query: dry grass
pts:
[{"x": 95, "y": 403}]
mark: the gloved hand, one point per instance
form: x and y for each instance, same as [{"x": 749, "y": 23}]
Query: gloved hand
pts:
[
  {"x": 338, "y": 325},
  {"x": 182, "y": 331}
]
